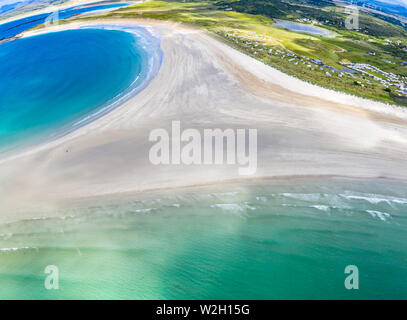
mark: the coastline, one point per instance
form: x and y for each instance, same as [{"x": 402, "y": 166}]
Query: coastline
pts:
[
  {"x": 304, "y": 130},
  {"x": 63, "y": 6},
  {"x": 248, "y": 187},
  {"x": 152, "y": 55},
  {"x": 269, "y": 224},
  {"x": 263, "y": 72}
]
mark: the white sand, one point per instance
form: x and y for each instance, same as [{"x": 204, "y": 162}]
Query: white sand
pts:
[
  {"x": 51, "y": 8},
  {"x": 302, "y": 130}
]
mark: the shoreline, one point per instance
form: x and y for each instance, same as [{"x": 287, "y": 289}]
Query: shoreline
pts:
[
  {"x": 290, "y": 82},
  {"x": 154, "y": 56},
  {"x": 239, "y": 181},
  {"x": 204, "y": 82},
  {"x": 66, "y": 5},
  {"x": 43, "y": 213}
]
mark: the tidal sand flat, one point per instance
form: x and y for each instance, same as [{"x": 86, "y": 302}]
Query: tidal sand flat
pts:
[{"x": 89, "y": 189}]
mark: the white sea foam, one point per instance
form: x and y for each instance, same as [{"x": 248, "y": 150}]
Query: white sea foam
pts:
[
  {"x": 146, "y": 210},
  {"x": 321, "y": 207},
  {"x": 263, "y": 199},
  {"x": 18, "y": 249},
  {"x": 304, "y": 196},
  {"x": 233, "y": 207},
  {"x": 373, "y": 198},
  {"x": 381, "y": 215}
]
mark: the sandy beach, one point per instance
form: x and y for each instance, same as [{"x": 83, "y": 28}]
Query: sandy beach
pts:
[{"x": 303, "y": 130}]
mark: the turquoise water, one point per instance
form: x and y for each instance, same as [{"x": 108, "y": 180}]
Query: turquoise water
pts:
[
  {"x": 50, "y": 83},
  {"x": 300, "y": 27},
  {"x": 277, "y": 239}
]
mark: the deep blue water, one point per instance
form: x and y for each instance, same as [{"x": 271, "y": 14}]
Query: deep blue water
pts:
[
  {"x": 51, "y": 81},
  {"x": 10, "y": 29}
]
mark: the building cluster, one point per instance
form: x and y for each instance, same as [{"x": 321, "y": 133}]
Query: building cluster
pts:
[
  {"x": 255, "y": 43},
  {"x": 387, "y": 79},
  {"x": 306, "y": 20}
]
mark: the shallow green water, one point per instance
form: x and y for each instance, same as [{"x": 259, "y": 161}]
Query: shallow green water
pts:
[{"x": 281, "y": 239}]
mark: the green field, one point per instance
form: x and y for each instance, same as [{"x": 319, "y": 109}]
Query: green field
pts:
[{"x": 291, "y": 52}]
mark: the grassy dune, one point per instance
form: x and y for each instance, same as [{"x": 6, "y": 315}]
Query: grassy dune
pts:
[{"x": 255, "y": 35}]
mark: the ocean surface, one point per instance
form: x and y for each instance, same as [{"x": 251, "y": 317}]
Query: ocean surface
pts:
[
  {"x": 280, "y": 239},
  {"x": 300, "y": 27},
  {"x": 12, "y": 28},
  {"x": 53, "y": 83}
]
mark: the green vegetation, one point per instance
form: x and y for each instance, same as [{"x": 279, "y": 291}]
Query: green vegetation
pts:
[
  {"x": 322, "y": 10},
  {"x": 322, "y": 60}
]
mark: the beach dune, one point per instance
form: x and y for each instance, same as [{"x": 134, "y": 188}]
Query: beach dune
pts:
[{"x": 302, "y": 130}]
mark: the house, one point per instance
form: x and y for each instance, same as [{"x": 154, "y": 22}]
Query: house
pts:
[{"x": 319, "y": 62}]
